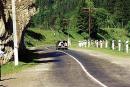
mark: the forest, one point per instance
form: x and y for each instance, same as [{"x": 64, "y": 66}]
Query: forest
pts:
[{"x": 92, "y": 19}]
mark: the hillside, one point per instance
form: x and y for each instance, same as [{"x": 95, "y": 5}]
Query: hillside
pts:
[
  {"x": 85, "y": 19},
  {"x": 36, "y": 37},
  {"x": 40, "y": 37}
]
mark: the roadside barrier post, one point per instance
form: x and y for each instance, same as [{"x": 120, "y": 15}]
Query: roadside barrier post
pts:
[
  {"x": 82, "y": 43},
  {"x": 106, "y": 44},
  {"x": 85, "y": 43},
  {"x": 69, "y": 42},
  {"x": 100, "y": 43},
  {"x": 97, "y": 43},
  {"x": 119, "y": 45},
  {"x": 92, "y": 43},
  {"x": 79, "y": 43},
  {"x": 113, "y": 45},
  {"x": 88, "y": 43},
  {"x": 127, "y": 46}
]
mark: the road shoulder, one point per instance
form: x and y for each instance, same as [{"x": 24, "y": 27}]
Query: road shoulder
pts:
[{"x": 123, "y": 62}]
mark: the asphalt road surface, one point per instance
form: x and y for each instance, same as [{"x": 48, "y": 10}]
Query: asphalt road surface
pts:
[
  {"x": 106, "y": 72},
  {"x": 56, "y": 69}
]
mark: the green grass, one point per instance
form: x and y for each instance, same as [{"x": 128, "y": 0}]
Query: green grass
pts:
[
  {"x": 48, "y": 37},
  {"x": 10, "y": 68},
  {"x": 36, "y": 38}
]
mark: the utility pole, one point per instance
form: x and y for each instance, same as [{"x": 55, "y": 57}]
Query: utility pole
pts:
[
  {"x": 89, "y": 22},
  {"x": 88, "y": 10},
  {"x": 15, "y": 33}
]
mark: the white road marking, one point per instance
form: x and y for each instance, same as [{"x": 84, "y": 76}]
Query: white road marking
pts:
[
  {"x": 87, "y": 73},
  {"x": 85, "y": 70}
]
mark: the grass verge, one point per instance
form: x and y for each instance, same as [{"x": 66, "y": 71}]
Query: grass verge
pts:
[
  {"x": 10, "y": 68},
  {"x": 113, "y": 53}
]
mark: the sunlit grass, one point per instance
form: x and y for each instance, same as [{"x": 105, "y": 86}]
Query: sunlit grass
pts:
[
  {"x": 49, "y": 38},
  {"x": 10, "y": 68}
]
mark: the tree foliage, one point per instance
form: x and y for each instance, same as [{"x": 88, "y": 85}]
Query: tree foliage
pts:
[{"x": 105, "y": 14}]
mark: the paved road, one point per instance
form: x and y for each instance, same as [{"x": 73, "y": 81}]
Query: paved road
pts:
[
  {"x": 106, "y": 72},
  {"x": 57, "y": 69}
]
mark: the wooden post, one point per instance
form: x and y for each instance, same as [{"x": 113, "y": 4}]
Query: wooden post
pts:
[{"x": 89, "y": 22}]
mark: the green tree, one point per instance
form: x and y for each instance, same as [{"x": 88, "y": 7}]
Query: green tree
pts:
[{"x": 128, "y": 27}]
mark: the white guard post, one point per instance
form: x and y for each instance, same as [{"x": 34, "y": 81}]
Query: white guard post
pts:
[
  {"x": 113, "y": 45},
  {"x": 85, "y": 43},
  {"x": 97, "y": 43},
  {"x": 79, "y": 43},
  {"x": 69, "y": 42},
  {"x": 106, "y": 44},
  {"x": 88, "y": 43},
  {"x": 100, "y": 43},
  {"x": 82, "y": 43},
  {"x": 119, "y": 45},
  {"x": 127, "y": 46}
]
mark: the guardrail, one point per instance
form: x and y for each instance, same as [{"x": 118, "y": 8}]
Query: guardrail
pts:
[{"x": 114, "y": 45}]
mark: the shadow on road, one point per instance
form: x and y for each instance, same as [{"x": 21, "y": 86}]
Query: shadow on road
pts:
[
  {"x": 2, "y": 86},
  {"x": 41, "y": 56},
  {"x": 48, "y": 57},
  {"x": 50, "y": 54},
  {"x": 7, "y": 79},
  {"x": 47, "y": 61}
]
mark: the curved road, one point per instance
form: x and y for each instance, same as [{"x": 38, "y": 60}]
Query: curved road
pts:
[
  {"x": 106, "y": 72},
  {"x": 56, "y": 69}
]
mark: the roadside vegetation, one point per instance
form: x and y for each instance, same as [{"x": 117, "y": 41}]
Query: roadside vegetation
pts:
[
  {"x": 42, "y": 37},
  {"x": 55, "y": 20},
  {"x": 78, "y": 20},
  {"x": 25, "y": 61},
  {"x": 108, "y": 51},
  {"x": 9, "y": 68},
  {"x": 114, "y": 53}
]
